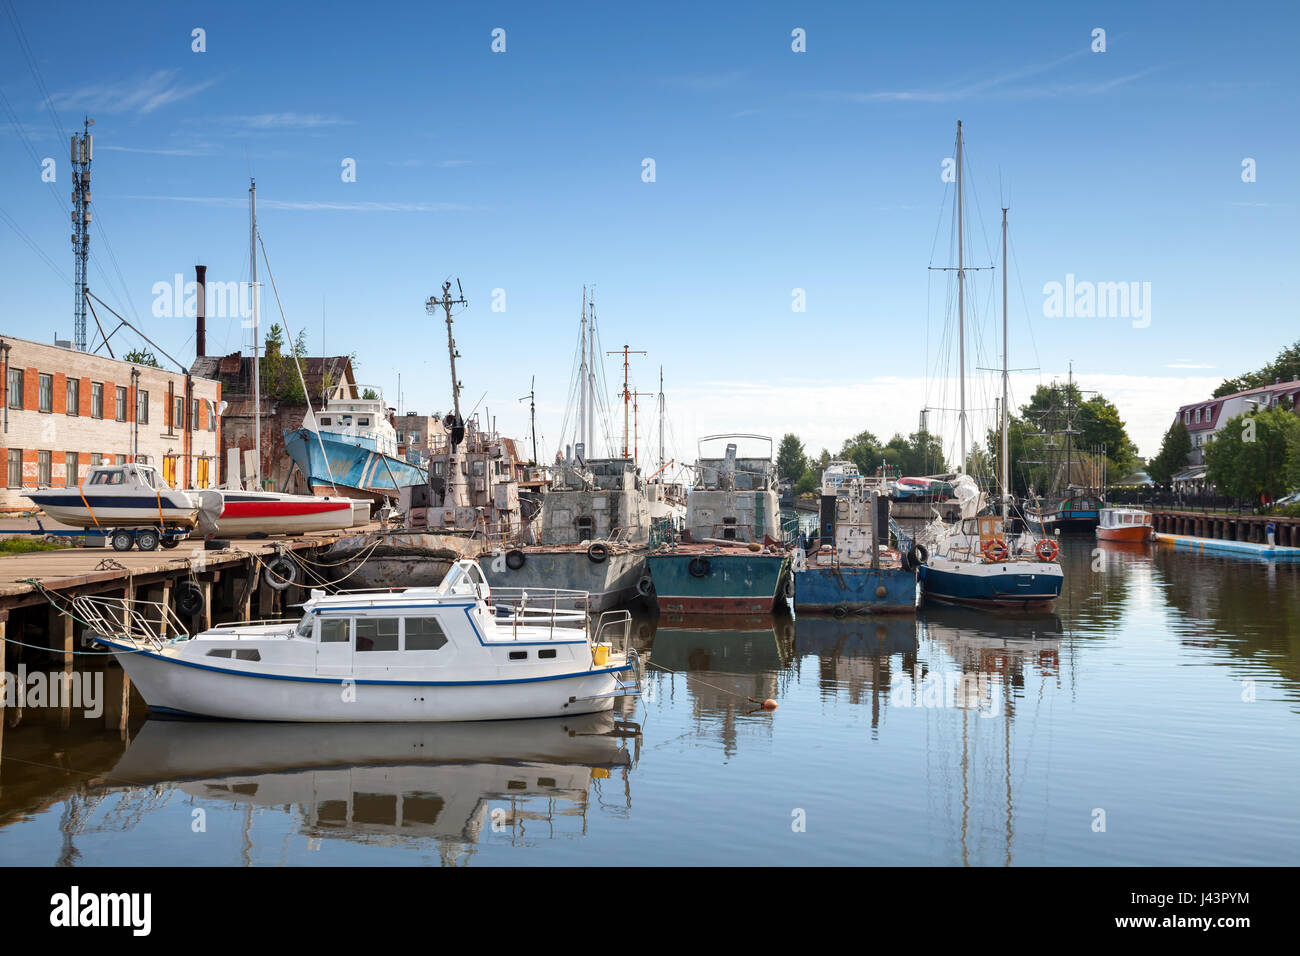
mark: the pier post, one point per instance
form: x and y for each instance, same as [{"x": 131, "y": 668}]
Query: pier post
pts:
[
  {"x": 4, "y": 673},
  {"x": 205, "y": 615},
  {"x": 162, "y": 611}
]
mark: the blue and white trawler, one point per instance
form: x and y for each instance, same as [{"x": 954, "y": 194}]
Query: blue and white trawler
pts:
[{"x": 460, "y": 651}]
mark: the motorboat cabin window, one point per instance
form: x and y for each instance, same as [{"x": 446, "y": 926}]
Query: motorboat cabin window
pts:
[
  {"x": 586, "y": 527},
  {"x": 376, "y": 634},
  {"x": 345, "y": 420},
  {"x": 222, "y": 652},
  {"x": 335, "y": 630},
  {"x": 461, "y": 581},
  {"x": 546, "y": 653},
  {"x": 478, "y": 468},
  {"x": 304, "y": 627},
  {"x": 363, "y": 420},
  {"x": 324, "y": 420},
  {"x": 519, "y": 655},
  {"x": 111, "y": 476},
  {"x": 254, "y": 656},
  {"x": 423, "y": 634},
  {"x": 146, "y": 475}
]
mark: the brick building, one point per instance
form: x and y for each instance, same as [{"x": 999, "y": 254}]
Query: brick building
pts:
[
  {"x": 419, "y": 434},
  {"x": 66, "y": 411}
]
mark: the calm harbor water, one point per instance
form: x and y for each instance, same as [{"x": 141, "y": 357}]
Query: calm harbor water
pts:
[{"x": 1153, "y": 719}]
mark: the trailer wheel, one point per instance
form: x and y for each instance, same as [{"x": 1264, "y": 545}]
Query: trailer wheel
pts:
[
  {"x": 147, "y": 541},
  {"x": 122, "y": 540},
  {"x": 170, "y": 543}
]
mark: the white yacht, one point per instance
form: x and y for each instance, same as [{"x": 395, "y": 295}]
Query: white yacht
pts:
[{"x": 460, "y": 651}]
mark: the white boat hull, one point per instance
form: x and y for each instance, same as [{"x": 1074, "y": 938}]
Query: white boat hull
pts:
[{"x": 170, "y": 686}]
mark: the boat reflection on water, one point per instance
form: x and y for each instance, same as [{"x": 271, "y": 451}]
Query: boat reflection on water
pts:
[
  {"x": 727, "y": 664},
  {"x": 393, "y": 784},
  {"x": 859, "y": 658}
]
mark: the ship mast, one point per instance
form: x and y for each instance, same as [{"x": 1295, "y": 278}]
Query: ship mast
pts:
[
  {"x": 582, "y": 379},
  {"x": 661, "y": 418},
  {"x": 453, "y": 496},
  {"x": 627, "y": 393},
  {"x": 257, "y": 365},
  {"x": 961, "y": 304},
  {"x": 1006, "y": 465}
]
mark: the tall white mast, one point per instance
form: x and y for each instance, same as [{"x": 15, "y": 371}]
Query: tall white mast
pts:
[
  {"x": 582, "y": 377},
  {"x": 1006, "y": 464},
  {"x": 961, "y": 305},
  {"x": 257, "y": 342},
  {"x": 591, "y": 382},
  {"x": 661, "y": 418}
]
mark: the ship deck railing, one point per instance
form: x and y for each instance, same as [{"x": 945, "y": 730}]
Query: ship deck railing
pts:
[{"x": 147, "y": 622}]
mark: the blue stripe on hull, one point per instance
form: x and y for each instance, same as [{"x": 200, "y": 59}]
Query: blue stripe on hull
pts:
[
  {"x": 349, "y": 465},
  {"x": 854, "y": 589},
  {"x": 990, "y": 590}
]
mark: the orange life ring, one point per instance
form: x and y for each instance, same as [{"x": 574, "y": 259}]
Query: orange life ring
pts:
[
  {"x": 1047, "y": 550},
  {"x": 994, "y": 550}
]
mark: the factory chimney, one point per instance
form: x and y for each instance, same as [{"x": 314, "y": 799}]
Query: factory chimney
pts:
[{"x": 200, "y": 323}]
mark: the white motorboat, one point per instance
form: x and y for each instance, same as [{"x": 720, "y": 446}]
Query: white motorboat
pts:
[
  {"x": 116, "y": 496},
  {"x": 243, "y": 513},
  {"x": 460, "y": 651}
]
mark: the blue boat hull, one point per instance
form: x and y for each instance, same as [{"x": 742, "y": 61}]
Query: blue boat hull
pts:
[
  {"x": 731, "y": 582},
  {"x": 855, "y": 590},
  {"x": 985, "y": 586},
  {"x": 348, "y": 466}
]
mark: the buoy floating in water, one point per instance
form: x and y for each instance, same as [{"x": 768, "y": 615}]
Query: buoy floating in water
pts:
[{"x": 769, "y": 704}]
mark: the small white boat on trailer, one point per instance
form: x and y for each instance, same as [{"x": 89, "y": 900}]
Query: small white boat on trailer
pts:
[
  {"x": 118, "y": 496},
  {"x": 460, "y": 651}
]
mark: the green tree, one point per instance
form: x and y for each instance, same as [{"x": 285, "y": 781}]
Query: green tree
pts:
[
  {"x": 279, "y": 372},
  {"x": 791, "y": 460},
  {"x": 1102, "y": 428},
  {"x": 863, "y": 449},
  {"x": 1174, "y": 449},
  {"x": 369, "y": 394},
  {"x": 1254, "y": 455},
  {"x": 141, "y": 357}
]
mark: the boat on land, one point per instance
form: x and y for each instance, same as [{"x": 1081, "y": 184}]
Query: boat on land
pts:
[
  {"x": 854, "y": 569},
  {"x": 460, "y": 651},
  {"x": 248, "y": 513},
  {"x": 1130, "y": 525},
  {"x": 986, "y": 559},
  {"x": 114, "y": 496},
  {"x": 352, "y": 447},
  {"x": 733, "y": 555}
]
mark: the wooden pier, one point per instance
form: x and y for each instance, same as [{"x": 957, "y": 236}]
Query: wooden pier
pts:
[
  {"x": 1228, "y": 527},
  {"x": 230, "y": 580}
]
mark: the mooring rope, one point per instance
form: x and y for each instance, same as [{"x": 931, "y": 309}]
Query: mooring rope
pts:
[{"x": 722, "y": 690}]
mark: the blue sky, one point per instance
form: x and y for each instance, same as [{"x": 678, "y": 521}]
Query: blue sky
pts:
[{"x": 775, "y": 170}]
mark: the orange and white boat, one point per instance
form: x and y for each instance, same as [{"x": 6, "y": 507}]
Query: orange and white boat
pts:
[{"x": 1125, "y": 524}]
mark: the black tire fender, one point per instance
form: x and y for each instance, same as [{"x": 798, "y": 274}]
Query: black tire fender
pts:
[
  {"x": 598, "y": 552},
  {"x": 515, "y": 559},
  {"x": 645, "y": 585},
  {"x": 279, "y": 573},
  {"x": 699, "y": 567},
  {"x": 189, "y": 598}
]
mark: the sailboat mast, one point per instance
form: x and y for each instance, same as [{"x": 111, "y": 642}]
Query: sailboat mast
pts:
[
  {"x": 582, "y": 376},
  {"x": 591, "y": 380},
  {"x": 661, "y": 417},
  {"x": 1006, "y": 464},
  {"x": 257, "y": 365},
  {"x": 961, "y": 303}
]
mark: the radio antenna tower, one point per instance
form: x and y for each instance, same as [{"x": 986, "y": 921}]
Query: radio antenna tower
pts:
[{"x": 82, "y": 153}]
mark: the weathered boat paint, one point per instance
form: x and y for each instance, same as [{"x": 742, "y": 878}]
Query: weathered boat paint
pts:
[
  {"x": 735, "y": 581},
  {"x": 854, "y": 590},
  {"x": 351, "y": 466},
  {"x": 609, "y": 582}
]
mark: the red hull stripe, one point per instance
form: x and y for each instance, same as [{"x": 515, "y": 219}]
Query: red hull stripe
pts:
[{"x": 280, "y": 509}]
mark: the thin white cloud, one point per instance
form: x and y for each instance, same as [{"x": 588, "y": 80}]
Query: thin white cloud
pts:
[
  {"x": 142, "y": 95},
  {"x": 312, "y": 205},
  {"x": 288, "y": 120},
  {"x": 156, "y": 152}
]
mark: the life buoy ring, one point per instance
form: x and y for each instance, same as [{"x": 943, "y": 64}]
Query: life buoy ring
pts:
[
  {"x": 994, "y": 550},
  {"x": 1047, "y": 550},
  {"x": 515, "y": 559},
  {"x": 598, "y": 552},
  {"x": 279, "y": 573},
  {"x": 189, "y": 598},
  {"x": 699, "y": 567},
  {"x": 645, "y": 585}
]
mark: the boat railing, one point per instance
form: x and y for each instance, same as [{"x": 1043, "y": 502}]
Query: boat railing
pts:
[
  {"x": 148, "y": 622},
  {"x": 614, "y": 628},
  {"x": 540, "y": 607}
]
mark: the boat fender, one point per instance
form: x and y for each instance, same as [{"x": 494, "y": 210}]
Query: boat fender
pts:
[
  {"x": 839, "y": 611},
  {"x": 215, "y": 544},
  {"x": 880, "y": 591},
  {"x": 279, "y": 573},
  {"x": 1047, "y": 550},
  {"x": 189, "y": 598},
  {"x": 598, "y": 552},
  {"x": 645, "y": 585},
  {"x": 918, "y": 555},
  {"x": 515, "y": 559},
  {"x": 699, "y": 567}
]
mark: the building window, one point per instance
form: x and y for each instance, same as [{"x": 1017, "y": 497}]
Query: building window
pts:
[
  {"x": 16, "y": 388},
  {"x": 96, "y": 399},
  {"x": 45, "y": 393},
  {"x": 142, "y": 407},
  {"x": 74, "y": 396},
  {"x": 415, "y": 438},
  {"x": 96, "y": 459},
  {"x": 119, "y": 459},
  {"x": 70, "y": 466},
  {"x": 15, "y": 467},
  {"x": 1197, "y": 417},
  {"x": 194, "y": 414},
  {"x": 119, "y": 404},
  {"x": 43, "y": 469},
  {"x": 178, "y": 413},
  {"x": 212, "y": 416}
]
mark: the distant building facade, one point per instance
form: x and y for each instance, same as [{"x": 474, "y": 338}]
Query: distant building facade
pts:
[
  {"x": 417, "y": 435},
  {"x": 1204, "y": 420},
  {"x": 67, "y": 411}
]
